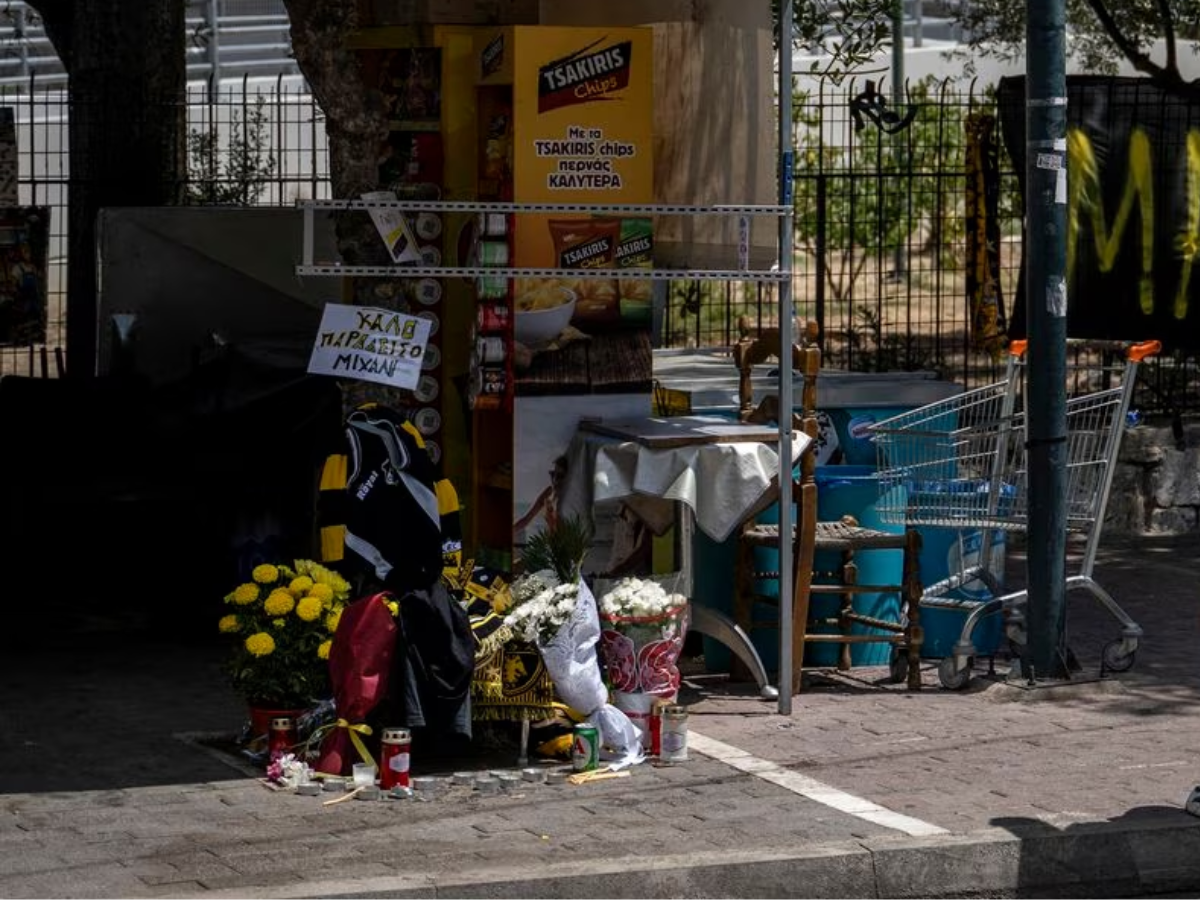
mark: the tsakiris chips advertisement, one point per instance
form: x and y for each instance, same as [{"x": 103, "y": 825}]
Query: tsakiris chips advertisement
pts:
[{"x": 583, "y": 114}]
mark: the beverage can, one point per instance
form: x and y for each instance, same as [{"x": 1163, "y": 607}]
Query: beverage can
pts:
[
  {"x": 493, "y": 253},
  {"x": 585, "y": 748},
  {"x": 490, "y": 350},
  {"x": 492, "y": 317},
  {"x": 395, "y": 758},
  {"x": 486, "y": 402},
  {"x": 674, "y": 734},
  {"x": 492, "y": 225},
  {"x": 492, "y": 380},
  {"x": 491, "y": 287}
]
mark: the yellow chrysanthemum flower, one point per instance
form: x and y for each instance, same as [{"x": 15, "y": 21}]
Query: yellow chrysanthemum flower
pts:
[
  {"x": 265, "y": 574},
  {"x": 323, "y": 650},
  {"x": 260, "y": 644},
  {"x": 245, "y": 594},
  {"x": 310, "y": 608},
  {"x": 279, "y": 603},
  {"x": 332, "y": 620},
  {"x": 300, "y": 586},
  {"x": 322, "y": 592},
  {"x": 229, "y": 624}
]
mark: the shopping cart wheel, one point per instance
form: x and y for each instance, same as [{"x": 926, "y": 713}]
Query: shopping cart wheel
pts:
[
  {"x": 1114, "y": 659},
  {"x": 952, "y": 677},
  {"x": 898, "y": 665}
]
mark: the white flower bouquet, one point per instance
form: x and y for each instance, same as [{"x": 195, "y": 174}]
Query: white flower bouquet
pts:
[
  {"x": 541, "y": 606},
  {"x": 554, "y": 609},
  {"x": 644, "y": 627}
]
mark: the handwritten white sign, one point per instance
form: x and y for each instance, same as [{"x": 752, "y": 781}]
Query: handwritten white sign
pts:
[{"x": 370, "y": 344}]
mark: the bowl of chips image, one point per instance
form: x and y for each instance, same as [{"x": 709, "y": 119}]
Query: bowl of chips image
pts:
[{"x": 543, "y": 311}]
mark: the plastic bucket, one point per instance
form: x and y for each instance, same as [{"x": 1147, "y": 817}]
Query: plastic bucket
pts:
[
  {"x": 946, "y": 551},
  {"x": 841, "y": 491}
]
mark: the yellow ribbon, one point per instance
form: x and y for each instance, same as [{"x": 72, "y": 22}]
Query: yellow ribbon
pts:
[{"x": 355, "y": 731}]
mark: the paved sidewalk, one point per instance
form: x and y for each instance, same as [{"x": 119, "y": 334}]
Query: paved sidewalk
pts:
[{"x": 866, "y": 790}]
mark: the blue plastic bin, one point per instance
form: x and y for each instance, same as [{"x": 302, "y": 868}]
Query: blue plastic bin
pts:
[
  {"x": 841, "y": 490},
  {"x": 945, "y": 551}
]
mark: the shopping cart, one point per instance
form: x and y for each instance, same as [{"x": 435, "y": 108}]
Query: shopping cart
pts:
[{"x": 962, "y": 465}]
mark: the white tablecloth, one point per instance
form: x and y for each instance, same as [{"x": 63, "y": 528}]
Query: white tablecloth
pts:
[{"x": 723, "y": 483}]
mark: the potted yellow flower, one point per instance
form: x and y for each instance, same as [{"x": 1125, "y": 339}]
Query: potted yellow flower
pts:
[{"x": 282, "y": 622}]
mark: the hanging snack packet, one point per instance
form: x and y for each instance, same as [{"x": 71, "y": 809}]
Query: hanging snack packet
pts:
[
  {"x": 589, "y": 244},
  {"x": 635, "y": 250},
  {"x": 393, "y": 227}
]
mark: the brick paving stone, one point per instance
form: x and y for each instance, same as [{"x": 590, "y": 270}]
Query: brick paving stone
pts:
[{"x": 991, "y": 757}]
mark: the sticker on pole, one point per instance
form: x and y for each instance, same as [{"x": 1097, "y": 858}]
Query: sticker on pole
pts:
[{"x": 370, "y": 344}]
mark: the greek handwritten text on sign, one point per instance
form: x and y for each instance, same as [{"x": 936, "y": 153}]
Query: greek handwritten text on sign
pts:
[{"x": 370, "y": 345}]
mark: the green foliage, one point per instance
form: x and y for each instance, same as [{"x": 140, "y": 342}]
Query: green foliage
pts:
[
  {"x": 844, "y": 33},
  {"x": 559, "y": 549},
  {"x": 1102, "y": 32},
  {"x": 875, "y": 348},
  {"x": 233, "y": 175},
  {"x": 863, "y": 191}
]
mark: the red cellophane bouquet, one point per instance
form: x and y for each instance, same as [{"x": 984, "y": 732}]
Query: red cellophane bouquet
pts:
[
  {"x": 643, "y": 625},
  {"x": 360, "y": 665}
]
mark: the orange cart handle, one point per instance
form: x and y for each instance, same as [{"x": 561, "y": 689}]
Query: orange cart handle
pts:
[
  {"x": 1144, "y": 350},
  {"x": 1134, "y": 352}
]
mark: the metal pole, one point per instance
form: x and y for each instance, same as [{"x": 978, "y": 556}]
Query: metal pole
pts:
[
  {"x": 1046, "y": 296},
  {"x": 898, "y": 256},
  {"x": 213, "y": 11},
  {"x": 786, "y": 339}
]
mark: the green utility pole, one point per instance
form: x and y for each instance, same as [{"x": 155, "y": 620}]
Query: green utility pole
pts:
[{"x": 1046, "y": 301}]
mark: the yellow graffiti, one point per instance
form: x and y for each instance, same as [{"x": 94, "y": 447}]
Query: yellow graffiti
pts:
[
  {"x": 1187, "y": 243},
  {"x": 1084, "y": 197}
]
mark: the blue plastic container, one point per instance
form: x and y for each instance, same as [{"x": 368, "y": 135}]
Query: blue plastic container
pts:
[
  {"x": 945, "y": 551},
  {"x": 841, "y": 491}
]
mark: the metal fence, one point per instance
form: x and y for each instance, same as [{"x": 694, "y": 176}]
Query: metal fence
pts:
[
  {"x": 887, "y": 234},
  {"x": 251, "y": 141},
  {"x": 225, "y": 39},
  {"x": 894, "y": 239}
]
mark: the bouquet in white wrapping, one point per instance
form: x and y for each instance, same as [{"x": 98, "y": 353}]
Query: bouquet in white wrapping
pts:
[{"x": 554, "y": 609}]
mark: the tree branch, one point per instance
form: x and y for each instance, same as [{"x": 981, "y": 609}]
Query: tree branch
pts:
[
  {"x": 1168, "y": 27},
  {"x": 1130, "y": 50}
]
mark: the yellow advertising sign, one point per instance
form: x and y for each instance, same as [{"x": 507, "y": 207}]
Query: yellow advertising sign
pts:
[{"x": 583, "y": 115}]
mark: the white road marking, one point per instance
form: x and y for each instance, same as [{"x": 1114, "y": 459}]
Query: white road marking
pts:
[{"x": 810, "y": 787}]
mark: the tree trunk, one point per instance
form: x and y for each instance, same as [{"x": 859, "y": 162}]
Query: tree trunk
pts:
[
  {"x": 356, "y": 124},
  {"x": 127, "y": 133}
]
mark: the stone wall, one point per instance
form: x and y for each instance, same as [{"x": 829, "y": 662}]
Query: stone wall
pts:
[{"x": 1156, "y": 488}]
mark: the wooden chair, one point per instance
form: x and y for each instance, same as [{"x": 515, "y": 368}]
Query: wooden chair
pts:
[{"x": 844, "y": 537}]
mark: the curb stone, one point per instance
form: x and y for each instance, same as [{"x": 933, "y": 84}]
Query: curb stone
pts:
[{"x": 1103, "y": 859}]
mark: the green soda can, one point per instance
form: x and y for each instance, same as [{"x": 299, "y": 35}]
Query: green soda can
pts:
[{"x": 585, "y": 748}]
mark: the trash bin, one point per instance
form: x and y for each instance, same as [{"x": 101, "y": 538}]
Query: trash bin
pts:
[
  {"x": 946, "y": 551},
  {"x": 841, "y": 491}
]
